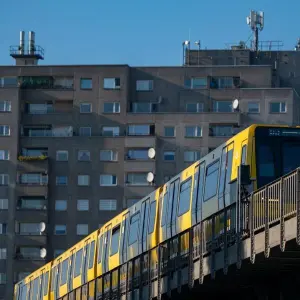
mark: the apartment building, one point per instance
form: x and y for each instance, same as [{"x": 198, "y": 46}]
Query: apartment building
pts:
[{"x": 74, "y": 141}]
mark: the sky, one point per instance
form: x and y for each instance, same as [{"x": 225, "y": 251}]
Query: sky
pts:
[{"x": 138, "y": 32}]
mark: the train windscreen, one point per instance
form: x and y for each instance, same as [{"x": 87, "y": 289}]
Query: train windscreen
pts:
[{"x": 277, "y": 152}]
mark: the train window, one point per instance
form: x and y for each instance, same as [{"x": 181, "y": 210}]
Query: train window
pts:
[
  {"x": 23, "y": 292},
  {"x": 211, "y": 180},
  {"x": 64, "y": 272},
  {"x": 164, "y": 210},
  {"x": 114, "y": 246},
  {"x": 100, "y": 249},
  {"x": 71, "y": 268},
  {"x": 145, "y": 219},
  {"x": 53, "y": 278},
  {"x": 184, "y": 196},
  {"x": 40, "y": 293},
  {"x": 244, "y": 155},
  {"x": 134, "y": 226},
  {"x": 152, "y": 217},
  {"x": 35, "y": 289},
  {"x": 46, "y": 283},
  {"x": 195, "y": 189},
  {"x": 78, "y": 261},
  {"x": 92, "y": 254},
  {"x": 229, "y": 169},
  {"x": 222, "y": 177}
]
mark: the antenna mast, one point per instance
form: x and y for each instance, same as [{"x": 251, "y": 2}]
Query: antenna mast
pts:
[{"x": 256, "y": 22}]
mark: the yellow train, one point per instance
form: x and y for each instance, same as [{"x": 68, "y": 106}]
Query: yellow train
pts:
[{"x": 112, "y": 258}]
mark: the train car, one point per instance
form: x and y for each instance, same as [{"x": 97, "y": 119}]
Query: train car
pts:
[
  {"x": 124, "y": 253},
  {"x": 35, "y": 286}
]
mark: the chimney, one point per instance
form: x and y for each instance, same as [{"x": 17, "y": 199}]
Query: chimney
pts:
[
  {"x": 31, "y": 42},
  {"x": 22, "y": 42}
]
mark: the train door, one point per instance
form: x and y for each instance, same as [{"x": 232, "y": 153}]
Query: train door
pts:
[
  {"x": 172, "y": 208},
  {"x": 106, "y": 244},
  {"x": 123, "y": 242},
  {"x": 85, "y": 261},
  {"x": 144, "y": 226}
]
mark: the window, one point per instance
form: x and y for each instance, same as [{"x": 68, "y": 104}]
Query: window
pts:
[
  {"x": 108, "y": 180},
  {"x": 137, "y": 154},
  {"x": 3, "y": 204},
  {"x": 4, "y": 130},
  {"x": 211, "y": 181},
  {"x": 85, "y": 131},
  {"x": 28, "y": 229},
  {"x": 193, "y": 131},
  {"x": 152, "y": 217},
  {"x": 60, "y": 229},
  {"x": 84, "y": 155},
  {"x": 61, "y": 180},
  {"x": 32, "y": 203},
  {"x": 108, "y": 155},
  {"x": 141, "y": 130},
  {"x": 108, "y": 204},
  {"x": 277, "y": 107},
  {"x": 78, "y": 261},
  {"x": 92, "y": 254},
  {"x": 82, "y": 229},
  {"x": 4, "y": 179},
  {"x": 169, "y": 155},
  {"x": 134, "y": 227},
  {"x": 221, "y": 130},
  {"x": 224, "y": 82},
  {"x": 36, "y": 152},
  {"x": 111, "y": 107},
  {"x": 253, "y": 107},
  {"x": 86, "y": 83},
  {"x": 222, "y": 106},
  {"x": 33, "y": 178},
  {"x": 111, "y": 83},
  {"x": 4, "y": 155},
  {"x": 64, "y": 272},
  {"x": 144, "y": 85},
  {"x": 58, "y": 252},
  {"x": 8, "y": 81},
  {"x": 62, "y": 155},
  {"x": 191, "y": 156},
  {"x": 194, "y": 107},
  {"x": 184, "y": 197},
  {"x": 137, "y": 179},
  {"x": 82, "y": 205},
  {"x": 5, "y": 106},
  {"x": 3, "y": 253},
  {"x": 85, "y": 108},
  {"x": 114, "y": 247},
  {"x": 110, "y": 131},
  {"x": 195, "y": 83},
  {"x": 83, "y": 180},
  {"x": 3, "y": 278},
  {"x": 244, "y": 155},
  {"x": 3, "y": 228},
  {"x": 61, "y": 205},
  {"x": 131, "y": 202},
  {"x": 141, "y": 107},
  {"x": 169, "y": 131}
]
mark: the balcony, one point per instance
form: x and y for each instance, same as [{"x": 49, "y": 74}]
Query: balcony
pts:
[
  {"x": 47, "y": 131},
  {"x": 140, "y": 141},
  {"x": 33, "y": 184},
  {"x": 32, "y": 215},
  {"x": 46, "y": 83},
  {"x": 30, "y": 239},
  {"x": 37, "y": 164}
]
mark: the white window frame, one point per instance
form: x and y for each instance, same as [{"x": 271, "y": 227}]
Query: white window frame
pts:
[
  {"x": 113, "y": 81},
  {"x": 85, "y": 104},
  {"x": 84, "y": 201},
  {"x": 5, "y": 129},
  {"x": 111, "y": 204},
  {"x": 84, "y": 152},
  {"x": 196, "y": 129},
  {"x": 62, "y": 152},
  {"x": 116, "y": 108},
  {"x": 144, "y": 85},
  {"x": 6, "y": 106},
  {"x": 281, "y": 103},
  {"x": 111, "y": 179},
  {"x": 84, "y": 128},
  {"x": 199, "y": 107},
  {"x": 4, "y": 155},
  {"x": 114, "y": 129},
  {"x": 83, "y": 177}
]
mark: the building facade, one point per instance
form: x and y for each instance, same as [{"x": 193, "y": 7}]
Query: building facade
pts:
[{"x": 74, "y": 142}]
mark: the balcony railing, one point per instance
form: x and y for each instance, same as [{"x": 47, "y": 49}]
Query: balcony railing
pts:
[{"x": 32, "y": 158}]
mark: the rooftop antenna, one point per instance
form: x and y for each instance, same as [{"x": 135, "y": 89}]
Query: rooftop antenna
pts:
[{"x": 256, "y": 22}]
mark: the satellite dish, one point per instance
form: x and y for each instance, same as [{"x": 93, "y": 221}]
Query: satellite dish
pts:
[
  {"x": 151, "y": 153},
  {"x": 43, "y": 253},
  {"x": 42, "y": 226},
  {"x": 150, "y": 177},
  {"x": 235, "y": 104}
]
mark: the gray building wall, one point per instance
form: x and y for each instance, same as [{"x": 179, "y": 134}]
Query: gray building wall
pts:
[{"x": 171, "y": 97}]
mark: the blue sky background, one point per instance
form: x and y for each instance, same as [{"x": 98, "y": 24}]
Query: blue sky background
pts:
[{"x": 138, "y": 32}]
